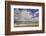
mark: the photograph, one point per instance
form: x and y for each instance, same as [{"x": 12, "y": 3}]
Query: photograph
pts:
[{"x": 24, "y": 17}]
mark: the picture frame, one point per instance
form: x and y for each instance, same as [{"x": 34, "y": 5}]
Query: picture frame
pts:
[{"x": 11, "y": 7}]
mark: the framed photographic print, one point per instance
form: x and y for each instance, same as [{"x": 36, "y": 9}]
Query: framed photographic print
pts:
[{"x": 24, "y": 17}]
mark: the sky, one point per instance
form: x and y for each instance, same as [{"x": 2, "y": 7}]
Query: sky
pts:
[
  {"x": 33, "y": 12},
  {"x": 20, "y": 9}
]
